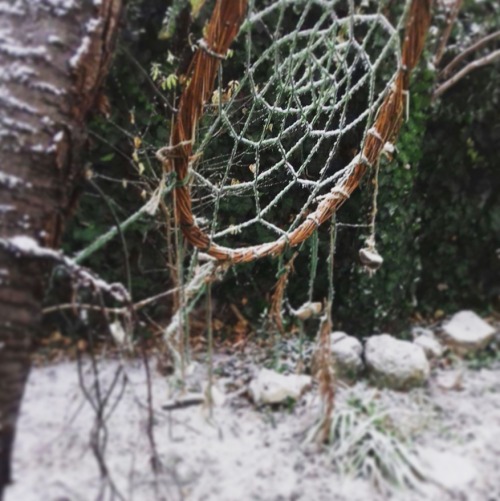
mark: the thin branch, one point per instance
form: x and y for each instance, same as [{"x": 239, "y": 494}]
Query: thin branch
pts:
[
  {"x": 450, "y": 21},
  {"x": 476, "y": 46},
  {"x": 107, "y": 201},
  {"x": 148, "y": 208},
  {"x": 117, "y": 311},
  {"x": 478, "y": 63},
  {"x": 89, "y": 307}
]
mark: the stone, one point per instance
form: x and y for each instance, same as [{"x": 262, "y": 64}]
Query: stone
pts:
[
  {"x": 270, "y": 387},
  {"x": 431, "y": 346},
  {"x": 214, "y": 395},
  {"x": 396, "y": 364},
  {"x": 466, "y": 332},
  {"x": 347, "y": 353},
  {"x": 450, "y": 380},
  {"x": 451, "y": 471},
  {"x": 418, "y": 331}
]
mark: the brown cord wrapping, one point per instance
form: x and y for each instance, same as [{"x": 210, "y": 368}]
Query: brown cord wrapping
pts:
[{"x": 222, "y": 29}]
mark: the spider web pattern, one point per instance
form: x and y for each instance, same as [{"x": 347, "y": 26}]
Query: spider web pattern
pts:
[{"x": 284, "y": 128}]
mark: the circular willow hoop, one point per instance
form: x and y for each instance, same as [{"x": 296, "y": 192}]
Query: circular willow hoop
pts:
[{"x": 223, "y": 27}]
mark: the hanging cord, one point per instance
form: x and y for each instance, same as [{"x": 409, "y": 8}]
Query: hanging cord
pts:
[
  {"x": 314, "y": 264},
  {"x": 368, "y": 255},
  {"x": 210, "y": 335},
  {"x": 181, "y": 299}
]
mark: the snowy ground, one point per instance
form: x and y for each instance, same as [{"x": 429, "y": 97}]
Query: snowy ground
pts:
[{"x": 243, "y": 453}]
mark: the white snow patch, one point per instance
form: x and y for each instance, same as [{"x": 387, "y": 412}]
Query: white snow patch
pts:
[
  {"x": 22, "y": 52},
  {"x": 55, "y": 40},
  {"x": 59, "y": 7},
  {"x": 18, "y": 125},
  {"x": 11, "y": 101},
  {"x": 90, "y": 27},
  {"x": 450, "y": 470},
  {"x": 59, "y": 137},
  {"x": 10, "y": 181},
  {"x": 238, "y": 452},
  {"x": 20, "y": 72},
  {"x": 26, "y": 245},
  {"x": 8, "y": 8},
  {"x": 46, "y": 120},
  {"x": 48, "y": 88},
  {"x": 82, "y": 51},
  {"x": 31, "y": 247},
  {"x": 38, "y": 148},
  {"x": 93, "y": 24}
]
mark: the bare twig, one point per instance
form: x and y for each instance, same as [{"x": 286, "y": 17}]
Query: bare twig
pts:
[
  {"x": 478, "y": 63},
  {"x": 27, "y": 247},
  {"x": 193, "y": 290},
  {"x": 475, "y": 46},
  {"x": 183, "y": 402},
  {"x": 450, "y": 21},
  {"x": 117, "y": 311},
  {"x": 155, "y": 457},
  {"x": 148, "y": 208}
]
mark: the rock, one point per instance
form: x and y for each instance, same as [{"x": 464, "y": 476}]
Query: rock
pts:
[
  {"x": 451, "y": 471},
  {"x": 418, "y": 331},
  {"x": 308, "y": 310},
  {"x": 466, "y": 332},
  {"x": 431, "y": 346},
  {"x": 396, "y": 364},
  {"x": 214, "y": 394},
  {"x": 346, "y": 352},
  {"x": 270, "y": 387},
  {"x": 451, "y": 380}
]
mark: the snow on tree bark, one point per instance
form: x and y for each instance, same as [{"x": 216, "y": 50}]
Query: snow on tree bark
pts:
[{"x": 54, "y": 55}]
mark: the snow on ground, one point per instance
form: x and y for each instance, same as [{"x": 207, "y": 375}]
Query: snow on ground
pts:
[{"x": 240, "y": 453}]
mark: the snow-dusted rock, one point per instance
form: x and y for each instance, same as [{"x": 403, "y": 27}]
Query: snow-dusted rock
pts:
[
  {"x": 214, "y": 395},
  {"x": 451, "y": 471},
  {"x": 431, "y": 346},
  {"x": 346, "y": 353},
  {"x": 466, "y": 332},
  {"x": 450, "y": 380},
  {"x": 270, "y": 387},
  {"x": 419, "y": 331},
  {"x": 396, "y": 364}
]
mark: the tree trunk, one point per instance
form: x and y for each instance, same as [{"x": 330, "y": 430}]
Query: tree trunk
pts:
[{"x": 54, "y": 55}]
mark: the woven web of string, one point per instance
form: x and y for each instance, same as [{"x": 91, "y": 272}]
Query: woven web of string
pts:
[{"x": 285, "y": 125}]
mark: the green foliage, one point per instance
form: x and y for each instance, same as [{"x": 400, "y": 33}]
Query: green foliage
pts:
[
  {"x": 122, "y": 163},
  {"x": 459, "y": 179},
  {"x": 365, "y": 440},
  {"x": 438, "y": 221},
  {"x": 461, "y": 220},
  {"x": 384, "y": 301}
]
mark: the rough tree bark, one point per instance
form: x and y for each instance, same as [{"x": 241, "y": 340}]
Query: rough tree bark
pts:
[{"x": 54, "y": 55}]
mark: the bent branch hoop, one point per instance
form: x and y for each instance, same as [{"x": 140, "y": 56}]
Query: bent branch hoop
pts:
[{"x": 221, "y": 31}]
